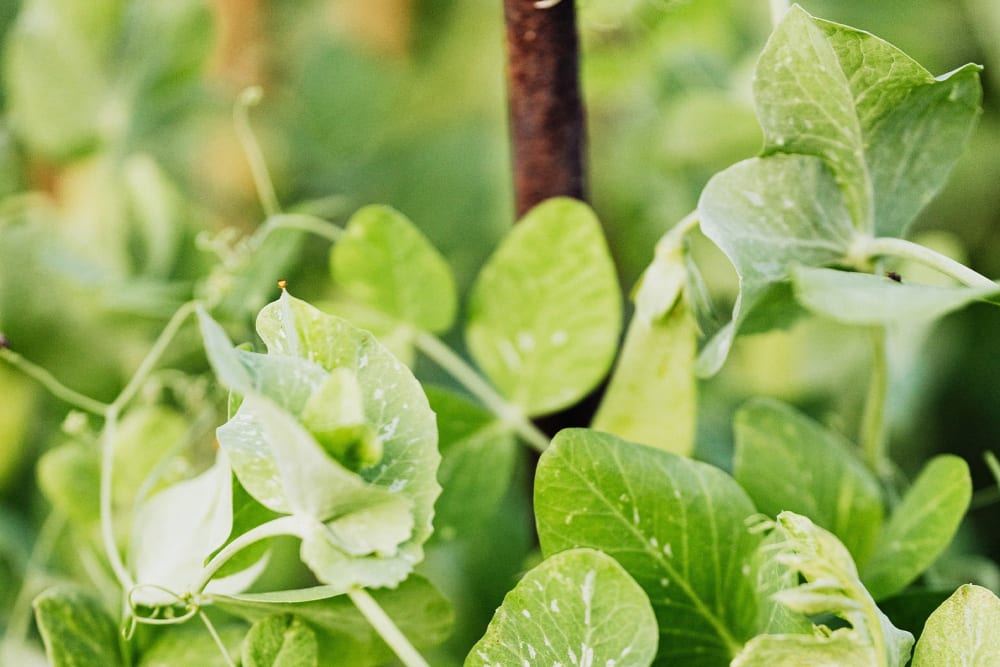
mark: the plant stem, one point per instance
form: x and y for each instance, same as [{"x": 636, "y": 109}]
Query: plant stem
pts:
[
  {"x": 303, "y": 222},
  {"x": 216, "y": 638},
  {"x": 918, "y": 253},
  {"x": 546, "y": 113},
  {"x": 873, "y": 418},
  {"x": 386, "y": 629},
  {"x": 285, "y": 525},
  {"x": 258, "y": 166},
  {"x": 446, "y": 358},
  {"x": 108, "y": 436},
  {"x": 55, "y": 387},
  {"x": 778, "y": 10}
]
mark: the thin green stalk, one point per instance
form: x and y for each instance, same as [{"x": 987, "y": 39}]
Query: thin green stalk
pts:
[
  {"x": 386, "y": 629},
  {"x": 778, "y": 10},
  {"x": 216, "y": 638},
  {"x": 286, "y": 525},
  {"x": 258, "y": 167},
  {"x": 55, "y": 387},
  {"x": 913, "y": 251},
  {"x": 306, "y": 223},
  {"x": 108, "y": 437},
  {"x": 873, "y": 418},
  {"x": 446, "y": 358}
]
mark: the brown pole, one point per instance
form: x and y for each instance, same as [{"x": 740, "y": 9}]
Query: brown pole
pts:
[{"x": 546, "y": 113}]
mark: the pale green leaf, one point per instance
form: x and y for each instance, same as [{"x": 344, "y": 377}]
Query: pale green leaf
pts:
[
  {"x": 190, "y": 644},
  {"x": 578, "y": 607},
  {"x": 385, "y": 262},
  {"x": 854, "y": 100},
  {"x": 964, "y": 631},
  {"x": 863, "y": 298},
  {"x": 921, "y": 526},
  {"x": 786, "y": 461},
  {"x": 282, "y": 640},
  {"x": 69, "y": 477},
  {"x": 652, "y": 394},
  {"x": 677, "y": 526},
  {"x": 77, "y": 629},
  {"x": 477, "y": 462},
  {"x": 768, "y": 215},
  {"x": 831, "y": 587},
  {"x": 545, "y": 311}
]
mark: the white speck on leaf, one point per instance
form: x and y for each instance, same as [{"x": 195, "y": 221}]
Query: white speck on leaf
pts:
[{"x": 559, "y": 338}]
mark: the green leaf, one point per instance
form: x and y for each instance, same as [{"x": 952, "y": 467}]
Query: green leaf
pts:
[
  {"x": 652, "y": 395},
  {"x": 346, "y": 639},
  {"x": 863, "y": 298},
  {"x": 385, "y": 262},
  {"x": 677, "y": 526},
  {"x": 577, "y": 607},
  {"x": 921, "y": 526},
  {"x": 191, "y": 644},
  {"x": 76, "y": 629},
  {"x": 965, "y": 630},
  {"x": 477, "y": 463},
  {"x": 280, "y": 641},
  {"x": 831, "y": 586},
  {"x": 854, "y": 100},
  {"x": 144, "y": 437},
  {"x": 768, "y": 215},
  {"x": 69, "y": 476},
  {"x": 545, "y": 311},
  {"x": 786, "y": 461}
]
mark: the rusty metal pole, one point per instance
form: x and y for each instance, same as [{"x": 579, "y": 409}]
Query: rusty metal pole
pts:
[{"x": 548, "y": 134}]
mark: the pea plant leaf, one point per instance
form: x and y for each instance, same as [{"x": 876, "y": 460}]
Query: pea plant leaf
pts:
[
  {"x": 478, "y": 455},
  {"x": 363, "y": 517},
  {"x": 920, "y": 527},
  {"x": 863, "y": 298},
  {"x": 579, "y": 607},
  {"x": 964, "y": 630},
  {"x": 835, "y": 104},
  {"x": 852, "y": 99},
  {"x": 831, "y": 586},
  {"x": 385, "y": 262},
  {"x": 76, "y": 629},
  {"x": 282, "y": 640},
  {"x": 545, "y": 311},
  {"x": 786, "y": 461},
  {"x": 677, "y": 527}
]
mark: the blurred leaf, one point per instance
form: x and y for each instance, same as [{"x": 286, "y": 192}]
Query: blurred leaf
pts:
[
  {"x": 477, "y": 463},
  {"x": 76, "y": 629},
  {"x": 545, "y": 311},
  {"x": 920, "y": 527},
  {"x": 144, "y": 437},
  {"x": 786, "y": 461},
  {"x": 965, "y": 630},
  {"x": 578, "y": 604},
  {"x": 190, "y": 644},
  {"x": 863, "y": 298},
  {"x": 69, "y": 476},
  {"x": 384, "y": 261},
  {"x": 677, "y": 526},
  {"x": 280, "y": 641}
]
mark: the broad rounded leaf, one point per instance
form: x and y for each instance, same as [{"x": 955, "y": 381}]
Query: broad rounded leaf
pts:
[
  {"x": 921, "y": 526},
  {"x": 578, "y": 607},
  {"x": 786, "y": 461},
  {"x": 965, "y": 630},
  {"x": 283, "y": 640},
  {"x": 77, "y": 629},
  {"x": 677, "y": 526},
  {"x": 863, "y": 298},
  {"x": 545, "y": 311},
  {"x": 385, "y": 262}
]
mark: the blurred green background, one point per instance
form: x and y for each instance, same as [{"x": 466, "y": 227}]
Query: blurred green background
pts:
[{"x": 120, "y": 171}]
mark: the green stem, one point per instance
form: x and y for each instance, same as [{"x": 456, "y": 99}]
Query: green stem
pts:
[
  {"x": 216, "y": 638},
  {"x": 55, "y": 387},
  {"x": 108, "y": 436},
  {"x": 509, "y": 414},
  {"x": 258, "y": 166},
  {"x": 286, "y": 525},
  {"x": 386, "y": 629},
  {"x": 918, "y": 253},
  {"x": 305, "y": 223},
  {"x": 873, "y": 418}
]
